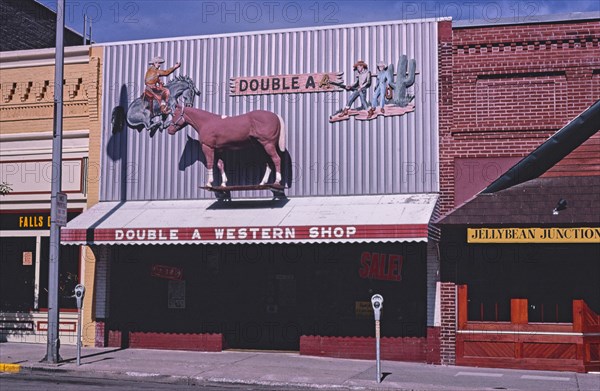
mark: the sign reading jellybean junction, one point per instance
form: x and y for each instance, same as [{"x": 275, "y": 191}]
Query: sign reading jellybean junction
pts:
[{"x": 534, "y": 235}]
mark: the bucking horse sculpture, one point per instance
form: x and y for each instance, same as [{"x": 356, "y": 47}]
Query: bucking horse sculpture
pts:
[
  {"x": 143, "y": 114},
  {"x": 217, "y": 133}
]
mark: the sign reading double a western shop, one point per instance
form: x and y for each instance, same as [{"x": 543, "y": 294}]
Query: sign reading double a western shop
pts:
[
  {"x": 534, "y": 235},
  {"x": 249, "y": 234}
]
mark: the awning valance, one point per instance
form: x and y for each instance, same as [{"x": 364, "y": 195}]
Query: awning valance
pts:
[{"x": 380, "y": 218}]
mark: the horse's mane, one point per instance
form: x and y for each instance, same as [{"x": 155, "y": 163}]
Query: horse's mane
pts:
[{"x": 184, "y": 78}]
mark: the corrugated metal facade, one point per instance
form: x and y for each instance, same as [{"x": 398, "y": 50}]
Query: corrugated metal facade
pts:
[{"x": 382, "y": 156}]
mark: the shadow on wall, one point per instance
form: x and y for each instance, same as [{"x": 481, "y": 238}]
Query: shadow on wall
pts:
[{"x": 116, "y": 147}]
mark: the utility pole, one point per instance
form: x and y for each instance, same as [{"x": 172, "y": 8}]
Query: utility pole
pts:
[
  {"x": 84, "y": 27},
  {"x": 52, "y": 355}
]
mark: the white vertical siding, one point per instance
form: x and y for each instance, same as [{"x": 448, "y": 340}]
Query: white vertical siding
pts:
[{"x": 381, "y": 156}]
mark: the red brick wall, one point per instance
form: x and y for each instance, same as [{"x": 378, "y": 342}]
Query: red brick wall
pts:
[
  {"x": 446, "y": 121},
  {"x": 114, "y": 339},
  {"x": 445, "y": 99},
  {"x": 394, "y": 349},
  {"x": 172, "y": 341},
  {"x": 99, "y": 340},
  {"x": 175, "y": 341},
  {"x": 512, "y": 88},
  {"x": 448, "y": 327}
]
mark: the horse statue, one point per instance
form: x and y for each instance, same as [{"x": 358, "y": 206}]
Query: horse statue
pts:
[
  {"x": 140, "y": 115},
  {"x": 217, "y": 133}
]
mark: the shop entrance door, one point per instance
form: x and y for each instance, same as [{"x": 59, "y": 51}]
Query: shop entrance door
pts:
[{"x": 262, "y": 311}]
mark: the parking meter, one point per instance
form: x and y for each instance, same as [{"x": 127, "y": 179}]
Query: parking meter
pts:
[
  {"x": 377, "y": 303},
  {"x": 79, "y": 294}
]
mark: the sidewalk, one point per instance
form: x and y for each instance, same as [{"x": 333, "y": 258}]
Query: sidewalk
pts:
[{"x": 276, "y": 369}]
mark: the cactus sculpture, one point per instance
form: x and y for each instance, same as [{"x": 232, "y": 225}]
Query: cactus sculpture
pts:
[
  {"x": 396, "y": 97},
  {"x": 404, "y": 80}
]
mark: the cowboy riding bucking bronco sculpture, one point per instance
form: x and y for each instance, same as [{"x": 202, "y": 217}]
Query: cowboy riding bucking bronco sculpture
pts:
[
  {"x": 169, "y": 106},
  {"x": 152, "y": 110}
]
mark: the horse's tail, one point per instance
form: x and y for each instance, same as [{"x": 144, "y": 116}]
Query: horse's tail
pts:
[{"x": 281, "y": 133}]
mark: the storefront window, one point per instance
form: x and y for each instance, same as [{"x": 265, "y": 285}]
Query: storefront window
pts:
[
  {"x": 267, "y": 296},
  {"x": 68, "y": 275},
  {"x": 484, "y": 306},
  {"x": 17, "y": 273},
  {"x": 552, "y": 310},
  {"x": 548, "y": 276}
]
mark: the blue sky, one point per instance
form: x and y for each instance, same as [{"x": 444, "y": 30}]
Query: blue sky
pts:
[{"x": 124, "y": 20}]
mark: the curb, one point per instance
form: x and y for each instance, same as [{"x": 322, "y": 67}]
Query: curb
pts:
[
  {"x": 181, "y": 380},
  {"x": 12, "y": 368}
]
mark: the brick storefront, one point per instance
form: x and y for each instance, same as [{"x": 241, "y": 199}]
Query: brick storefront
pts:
[{"x": 513, "y": 86}]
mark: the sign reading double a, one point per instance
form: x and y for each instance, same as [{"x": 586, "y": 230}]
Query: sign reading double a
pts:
[{"x": 286, "y": 84}]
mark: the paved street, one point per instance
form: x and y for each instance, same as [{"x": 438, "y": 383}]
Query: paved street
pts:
[
  {"x": 66, "y": 382},
  {"x": 465, "y": 380}
]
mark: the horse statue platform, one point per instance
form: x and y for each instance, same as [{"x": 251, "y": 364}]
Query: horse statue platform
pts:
[{"x": 223, "y": 193}]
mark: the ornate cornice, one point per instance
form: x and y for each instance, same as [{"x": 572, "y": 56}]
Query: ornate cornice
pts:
[
  {"x": 39, "y": 90},
  {"x": 42, "y": 111},
  {"x": 40, "y": 57}
]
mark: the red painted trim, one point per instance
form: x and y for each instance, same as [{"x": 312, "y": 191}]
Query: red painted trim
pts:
[
  {"x": 44, "y": 192},
  {"x": 61, "y": 326},
  {"x": 61, "y": 310},
  {"x": 38, "y": 160},
  {"x": 247, "y": 234}
]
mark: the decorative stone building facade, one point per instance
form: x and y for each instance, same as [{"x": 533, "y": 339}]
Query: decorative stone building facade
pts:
[{"x": 26, "y": 120}]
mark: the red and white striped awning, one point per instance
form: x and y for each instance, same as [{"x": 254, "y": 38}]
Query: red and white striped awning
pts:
[{"x": 380, "y": 218}]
